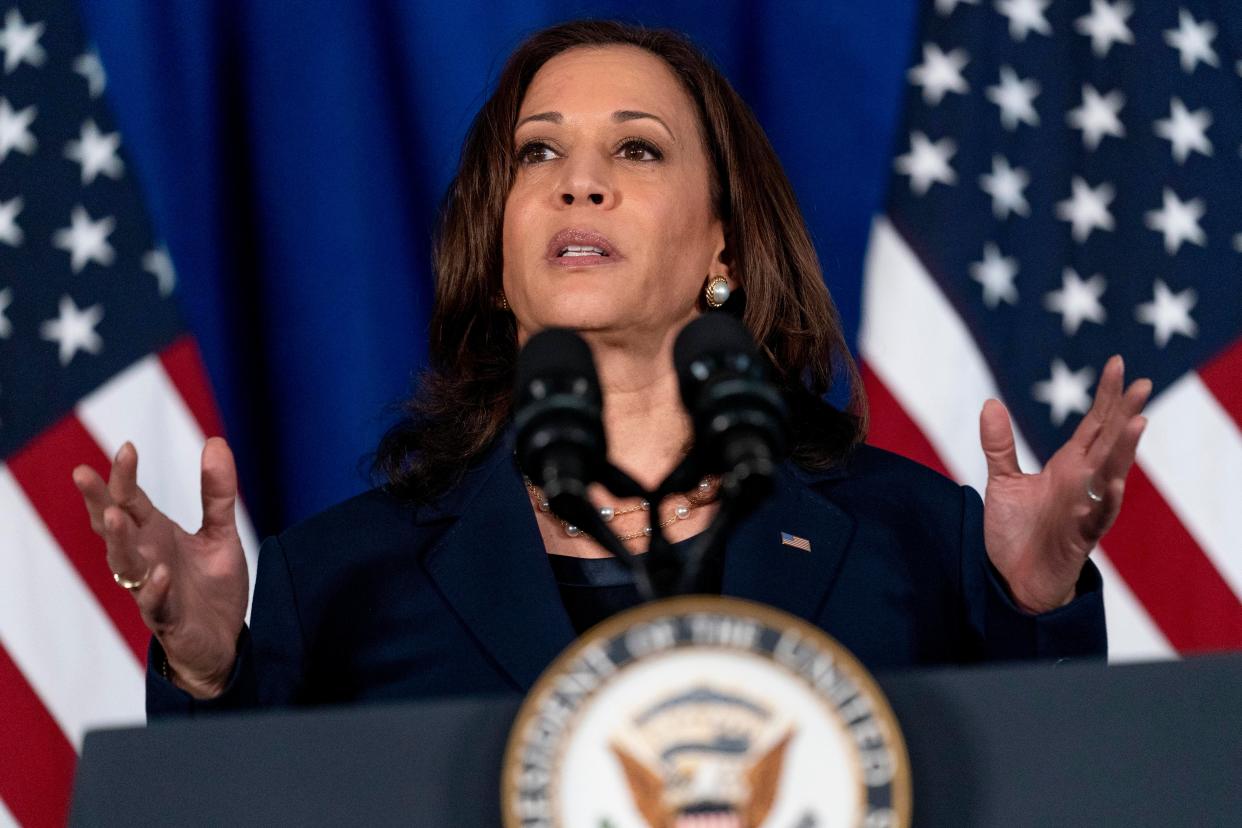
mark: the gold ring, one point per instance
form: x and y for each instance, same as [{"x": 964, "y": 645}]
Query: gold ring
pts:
[{"x": 132, "y": 586}]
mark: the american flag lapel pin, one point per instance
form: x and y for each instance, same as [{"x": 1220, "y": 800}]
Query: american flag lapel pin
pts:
[{"x": 795, "y": 541}]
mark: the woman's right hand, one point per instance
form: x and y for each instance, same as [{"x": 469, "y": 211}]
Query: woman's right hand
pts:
[{"x": 193, "y": 587}]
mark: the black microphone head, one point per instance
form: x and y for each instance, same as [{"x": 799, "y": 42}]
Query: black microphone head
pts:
[
  {"x": 709, "y": 336},
  {"x": 558, "y": 413},
  {"x": 710, "y": 349},
  {"x": 552, "y": 358},
  {"x": 737, "y": 411}
]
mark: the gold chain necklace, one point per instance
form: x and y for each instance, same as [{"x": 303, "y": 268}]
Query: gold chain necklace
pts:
[{"x": 702, "y": 495}]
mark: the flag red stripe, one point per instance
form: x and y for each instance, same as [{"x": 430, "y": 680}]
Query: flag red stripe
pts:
[
  {"x": 36, "y": 760},
  {"x": 184, "y": 366},
  {"x": 43, "y": 468},
  {"x": 1167, "y": 571},
  {"x": 891, "y": 427},
  {"x": 1223, "y": 377}
]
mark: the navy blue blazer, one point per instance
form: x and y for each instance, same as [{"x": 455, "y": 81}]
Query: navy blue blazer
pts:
[{"x": 377, "y": 599}]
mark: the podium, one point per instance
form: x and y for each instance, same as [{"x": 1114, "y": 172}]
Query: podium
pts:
[{"x": 1023, "y": 745}]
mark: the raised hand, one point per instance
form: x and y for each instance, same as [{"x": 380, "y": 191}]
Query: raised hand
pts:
[
  {"x": 1039, "y": 528},
  {"x": 190, "y": 588}
]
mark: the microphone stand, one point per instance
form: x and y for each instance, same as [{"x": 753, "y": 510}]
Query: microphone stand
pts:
[
  {"x": 579, "y": 511},
  {"x": 659, "y": 574},
  {"x": 737, "y": 500},
  {"x": 667, "y": 574}
]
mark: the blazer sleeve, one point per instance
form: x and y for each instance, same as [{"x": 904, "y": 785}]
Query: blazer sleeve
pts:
[
  {"x": 274, "y": 639},
  {"x": 1006, "y": 632}
]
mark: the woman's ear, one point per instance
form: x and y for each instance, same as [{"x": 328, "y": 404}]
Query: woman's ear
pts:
[
  {"x": 721, "y": 263},
  {"x": 720, "y": 284}
]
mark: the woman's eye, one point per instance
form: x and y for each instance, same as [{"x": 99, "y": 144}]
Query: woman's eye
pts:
[
  {"x": 636, "y": 150},
  {"x": 535, "y": 152}
]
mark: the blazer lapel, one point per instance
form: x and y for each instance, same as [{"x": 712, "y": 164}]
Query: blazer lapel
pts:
[
  {"x": 760, "y": 567},
  {"x": 491, "y": 566}
]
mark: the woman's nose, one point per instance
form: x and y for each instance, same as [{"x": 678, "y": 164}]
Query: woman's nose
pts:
[
  {"x": 594, "y": 198},
  {"x": 586, "y": 184}
]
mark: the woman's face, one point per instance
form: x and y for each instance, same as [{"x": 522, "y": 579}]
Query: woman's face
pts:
[{"x": 611, "y": 161}]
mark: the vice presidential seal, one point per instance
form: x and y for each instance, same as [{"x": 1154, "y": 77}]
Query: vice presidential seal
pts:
[{"x": 697, "y": 712}]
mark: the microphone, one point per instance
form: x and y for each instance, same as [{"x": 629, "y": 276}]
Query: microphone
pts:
[
  {"x": 560, "y": 442},
  {"x": 558, "y": 420},
  {"x": 741, "y": 422}
]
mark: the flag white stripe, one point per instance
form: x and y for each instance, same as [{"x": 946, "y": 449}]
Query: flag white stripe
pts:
[
  {"x": 1192, "y": 452},
  {"x": 1132, "y": 636},
  {"x": 57, "y": 634},
  {"x": 250, "y": 545},
  {"x": 924, "y": 354},
  {"x": 7, "y": 820},
  {"x": 141, "y": 404},
  {"x": 918, "y": 346}
]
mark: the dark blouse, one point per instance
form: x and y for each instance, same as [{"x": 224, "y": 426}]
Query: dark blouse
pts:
[{"x": 594, "y": 589}]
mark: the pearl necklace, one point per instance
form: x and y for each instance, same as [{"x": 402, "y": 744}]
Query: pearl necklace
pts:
[{"x": 704, "y": 494}]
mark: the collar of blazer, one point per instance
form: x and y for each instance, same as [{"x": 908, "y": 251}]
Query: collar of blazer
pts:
[{"x": 491, "y": 567}]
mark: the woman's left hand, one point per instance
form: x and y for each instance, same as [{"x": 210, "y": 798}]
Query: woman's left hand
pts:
[{"x": 1039, "y": 528}]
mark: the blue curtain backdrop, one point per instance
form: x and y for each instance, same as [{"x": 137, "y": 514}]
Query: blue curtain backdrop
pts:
[{"x": 294, "y": 154}]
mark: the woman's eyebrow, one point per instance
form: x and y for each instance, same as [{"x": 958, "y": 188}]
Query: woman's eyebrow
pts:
[
  {"x": 619, "y": 116},
  {"x": 551, "y": 117},
  {"x": 633, "y": 115}
]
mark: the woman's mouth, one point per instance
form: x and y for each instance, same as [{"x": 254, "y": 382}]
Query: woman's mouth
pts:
[
  {"x": 580, "y": 250},
  {"x": 580, "y": 247}
]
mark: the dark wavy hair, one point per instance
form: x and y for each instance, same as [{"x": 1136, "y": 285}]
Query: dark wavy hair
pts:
[{"x": 463, "y": 402}]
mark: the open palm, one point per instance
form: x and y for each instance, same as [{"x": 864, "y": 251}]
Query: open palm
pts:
[
  {"x": 1039, "y": 528},
  {"x": 191, "y": 588}
]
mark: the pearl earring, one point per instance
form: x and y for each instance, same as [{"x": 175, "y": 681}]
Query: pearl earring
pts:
[{"x": 717, "y": 291}]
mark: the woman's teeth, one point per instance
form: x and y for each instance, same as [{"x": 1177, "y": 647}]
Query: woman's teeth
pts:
[{"x": 580, "y": 250}]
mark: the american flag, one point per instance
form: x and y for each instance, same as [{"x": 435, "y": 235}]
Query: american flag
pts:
[
  {"x": 795, "y": 541},
  {"x": 92, "y": 353},
  {"x": 1067, "y": 185}
]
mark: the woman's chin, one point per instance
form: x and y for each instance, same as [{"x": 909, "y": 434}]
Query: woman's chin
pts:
[{"x": 585, "y": 313}]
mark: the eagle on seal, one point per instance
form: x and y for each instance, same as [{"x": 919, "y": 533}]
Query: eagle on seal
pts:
[{"x": 723, "y": 800}]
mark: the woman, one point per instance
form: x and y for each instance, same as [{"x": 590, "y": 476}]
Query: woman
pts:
[{"x": 615, "y": 184}]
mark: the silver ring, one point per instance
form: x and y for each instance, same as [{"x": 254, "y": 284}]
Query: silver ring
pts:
[{"x": 1094, "y": 497}]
